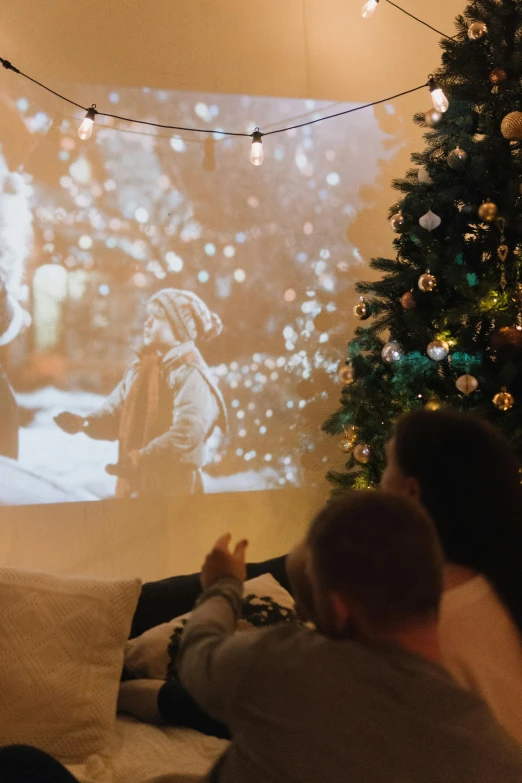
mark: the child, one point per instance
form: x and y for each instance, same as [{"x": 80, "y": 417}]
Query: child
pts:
[{"x": 167, "y": 405}]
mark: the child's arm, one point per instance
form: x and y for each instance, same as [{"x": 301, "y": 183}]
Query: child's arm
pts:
[{"x": 103, "y": 424}]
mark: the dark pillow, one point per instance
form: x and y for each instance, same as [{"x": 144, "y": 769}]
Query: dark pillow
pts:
[{"x": 160, "y": 601}]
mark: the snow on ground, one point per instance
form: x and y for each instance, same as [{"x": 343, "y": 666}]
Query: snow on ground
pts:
[
  {"x": 55, "y": 467},
  {"x": 75, "y": 462}
]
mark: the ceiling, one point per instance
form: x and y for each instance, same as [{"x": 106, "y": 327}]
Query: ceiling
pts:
[{"x": 294, "y": 48}]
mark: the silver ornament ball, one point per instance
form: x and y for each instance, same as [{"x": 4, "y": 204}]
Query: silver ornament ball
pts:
[
  {"x": 392, "y": 352},
  {"x": 438, "y": 350}
]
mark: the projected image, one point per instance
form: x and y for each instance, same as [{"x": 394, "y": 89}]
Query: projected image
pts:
[{"x": 171, "y": 317}]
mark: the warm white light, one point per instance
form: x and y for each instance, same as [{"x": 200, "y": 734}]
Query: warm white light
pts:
[
  {"x": 440, "y": 102},
  {"x": 256, "y": 153},
  {"x": 85, "y": 129},
  {"x": 368, "y": 8}
]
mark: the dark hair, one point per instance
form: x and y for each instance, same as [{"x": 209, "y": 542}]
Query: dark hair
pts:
[
  {"x": 382, "y": 552},
  {"x": 470, "y": 485}
]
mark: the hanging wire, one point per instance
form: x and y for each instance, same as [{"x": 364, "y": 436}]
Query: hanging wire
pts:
[
  {"x": 420, "y": 21},
  {"x": 6, "y": 64}
]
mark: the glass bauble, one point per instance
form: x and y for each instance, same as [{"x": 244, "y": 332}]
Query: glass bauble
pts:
[
  {"x": 432, "y": 118},
  {"x": 346, "y": 374},
  {"x": 467, "y": 384},
  {"x": 497, "y": 76},
  {"x": 408, "y": 301},
  {"x": 362, "y": 453},
  {"x": 424, "y": 177},
  {"x": 350, "y": 439},
  {"x": 397, "y": 221},
  {"x": 477, "y": 30},
  {"x": 511, "y": 127},
  {"x": 361, "y": 310},
  {"x": 504, "y": 401},
  {"x": 430, "y": 221},
  {"x": 392, "y": 352},
  {"x": 457, "y": 159},
  {"x": 427, "y": 282},
  {"x": 488, "y": 211},
  {"x": 438, "y": 350}
]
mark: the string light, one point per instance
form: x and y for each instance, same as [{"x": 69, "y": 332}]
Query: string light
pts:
[
  {"x": 85, "y": 129},
  {"x": 368, "y": 8},
  {"x": 440, "y": 102},
  {"x": 256, "y": 153}
]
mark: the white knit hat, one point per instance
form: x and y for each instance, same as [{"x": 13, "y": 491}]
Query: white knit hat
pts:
[{"x": 188, "y": 315}]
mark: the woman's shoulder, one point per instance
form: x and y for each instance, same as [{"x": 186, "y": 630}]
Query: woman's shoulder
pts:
[{"x": 474, "y": 622}]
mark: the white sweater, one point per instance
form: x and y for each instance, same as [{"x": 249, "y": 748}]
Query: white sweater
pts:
[{"x": 482, "y": 648}]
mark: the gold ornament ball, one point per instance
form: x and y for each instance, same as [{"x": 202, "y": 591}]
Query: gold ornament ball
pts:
[
  {"x": 504, "y": 401},
  {"x": 408, "y": 301},
  {"x": 488, "y": 211},
  {"x": 432, "y": 118},
  {"x": 433, "y": 405},
  {"x": 397, "y": 222},
  {"x": 362, "y": 453},
  {"x": 346, "y": 446},
  {"x": 467, "y": 384},
  {"x": 361, "y": 310},
  {"x": 350, "y": 439},
  {"x": 427, "y": 282},
  {"x": 497, "y": 76},
  {"x": 457, "y": 159},
  {"x": 511, "y": 127},
  {"x": 477, "y": 30},
  {"x": 346, "y": 375}
]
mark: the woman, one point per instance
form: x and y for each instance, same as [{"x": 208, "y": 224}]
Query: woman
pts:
[{"x": 465, "y": 474}]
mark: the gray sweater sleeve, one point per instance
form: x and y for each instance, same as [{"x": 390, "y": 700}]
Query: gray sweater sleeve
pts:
[{"x": 213, "y": 659}]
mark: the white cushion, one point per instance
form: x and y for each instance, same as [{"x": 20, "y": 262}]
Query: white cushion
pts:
[
  {"x": 147, "y": 656},
  {"x": 61, "y": 658}
]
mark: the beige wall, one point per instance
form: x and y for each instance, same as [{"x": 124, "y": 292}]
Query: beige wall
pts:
[{"x": 297, "y": 48}]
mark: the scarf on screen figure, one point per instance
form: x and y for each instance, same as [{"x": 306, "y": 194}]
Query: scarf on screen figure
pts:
[{"x": 140, "y": 415}]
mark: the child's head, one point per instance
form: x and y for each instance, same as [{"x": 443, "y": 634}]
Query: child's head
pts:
[
  {"x": 157, "y": 332},
  {"x": 175, "y": 317}
]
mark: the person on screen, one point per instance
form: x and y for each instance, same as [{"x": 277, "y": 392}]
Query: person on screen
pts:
[
  {"x": 16, "y": 237},
  {"x": 12, "y": 322},
  {"x": 167, "y": 405}
]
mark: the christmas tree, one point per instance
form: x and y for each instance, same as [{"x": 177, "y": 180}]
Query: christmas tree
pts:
[{"x": 444, "y": 322}]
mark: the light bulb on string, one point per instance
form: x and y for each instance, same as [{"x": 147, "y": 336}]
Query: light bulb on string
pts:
[
  {"x": 85, "y": 129},
  {"x": 369, "y": 8},
  {"x": 256, "y": 153},
  {"x": 440, "y": 102}
]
